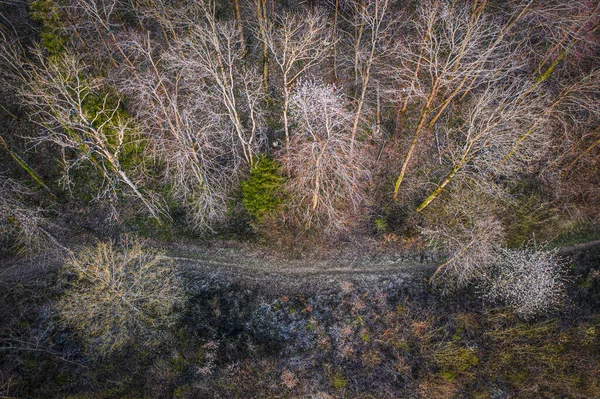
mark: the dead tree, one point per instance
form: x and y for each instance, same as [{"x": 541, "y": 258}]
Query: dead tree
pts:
[
  {"x": 457, "y": 47},
  {"x": 327, "y": 180},
  {"x": 297, "y": 43}
]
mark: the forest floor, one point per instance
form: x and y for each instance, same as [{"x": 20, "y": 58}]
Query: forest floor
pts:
[
  {"x": 356, "y": 320},
  {"x": 266, "y": 270}
]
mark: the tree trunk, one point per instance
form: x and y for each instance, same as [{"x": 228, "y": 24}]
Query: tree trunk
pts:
[
  {"x": 261, "y": 15},
  {"x": 440, "y": 188},
  {"x": 238, "y": 16},
  {"x": 335, "y": 38},
  {"x": 415, "y": 140},
  {"x": 26, "y": 167}
]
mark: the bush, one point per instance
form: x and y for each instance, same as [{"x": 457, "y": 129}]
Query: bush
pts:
[
  {"x": 530, "y": 280},
  {"x": 116, "y": 296}
]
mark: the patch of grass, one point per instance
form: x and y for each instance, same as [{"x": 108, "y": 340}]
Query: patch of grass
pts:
[
  {"x": 338, "y": 381},
  {"x": 454, "y": 360}
]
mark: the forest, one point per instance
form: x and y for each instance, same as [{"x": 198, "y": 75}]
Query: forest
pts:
[{"x": 312, "y": 198}]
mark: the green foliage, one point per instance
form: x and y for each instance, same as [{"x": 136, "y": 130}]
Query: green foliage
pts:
[
  {"x": 261, "y": 190},
  {"x": 46, "y": 12},
  {"x": 381, "y": 225}
]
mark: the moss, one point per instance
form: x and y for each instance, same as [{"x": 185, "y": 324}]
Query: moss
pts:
[
  {"x": 548, "y": 72},
  {"x": 47, "y": 13},
  {"x": 454, "y": 360}
]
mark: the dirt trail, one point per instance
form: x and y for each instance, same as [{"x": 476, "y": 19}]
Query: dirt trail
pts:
[
  {"x": 251, "y": 267},
  {"x": 256, "y": 270}
]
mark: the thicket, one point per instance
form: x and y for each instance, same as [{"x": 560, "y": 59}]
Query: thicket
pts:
[{"x": 365, "y": 106}]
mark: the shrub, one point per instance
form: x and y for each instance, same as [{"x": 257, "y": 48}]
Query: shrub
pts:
[
  {"x": 115, "y": 296},
  {"x": 529, "y": 280}
]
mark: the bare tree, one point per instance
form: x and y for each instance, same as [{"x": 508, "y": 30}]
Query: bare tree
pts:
[
  {"x": 185, "y": 133},
  {"x": 374, "y": 25},
  {"x": 469, "y": 236},
  {"x": 475, "y": 146},
  {"x": 574, "y": 98},
  {"x": 297, "y": 43},
  {"x": 83, "y": 119},
  {"x": 199, "y": 103},
  {"x": 209, "y": 56},
  {"x": 561, "y": 34},
  {"x": 327, "y": 180},
  {"x": 457, "y": 46}
]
